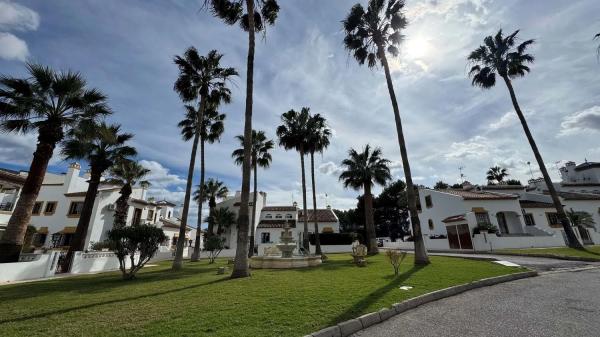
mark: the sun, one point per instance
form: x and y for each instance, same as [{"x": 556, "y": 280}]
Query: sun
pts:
[{"x": 417, "y": 47}]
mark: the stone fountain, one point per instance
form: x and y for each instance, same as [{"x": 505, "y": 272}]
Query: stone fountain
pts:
[{"x": 287, "y": 259}]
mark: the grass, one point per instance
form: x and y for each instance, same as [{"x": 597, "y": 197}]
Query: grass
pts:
[
  {"x": 196, "y": 301},
  {"x": 589, "y": 252}
]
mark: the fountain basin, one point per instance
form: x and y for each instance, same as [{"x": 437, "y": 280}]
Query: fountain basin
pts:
[{"x": 277, "y": 262}]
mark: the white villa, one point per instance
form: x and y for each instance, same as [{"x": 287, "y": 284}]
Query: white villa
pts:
[
  {"x": 59, "y": 203},
  {"x": 523, "y": 216}
]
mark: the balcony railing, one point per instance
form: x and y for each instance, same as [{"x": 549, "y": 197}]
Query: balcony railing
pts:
[{"x": 6, "y": 206}]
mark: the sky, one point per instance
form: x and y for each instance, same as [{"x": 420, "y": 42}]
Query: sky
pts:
[{"x": 126, "y": 49}]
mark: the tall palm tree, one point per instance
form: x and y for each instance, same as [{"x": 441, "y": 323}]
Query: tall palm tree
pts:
[
  {"x": 49, "y": 103},
  {"x": 370, "y": 34},
  {"x": 500, "y": 55},
  {"x": 260, "y": 158},
  {"x": 127, "y": 173},
  {"x": 293, "y": 134},
  {"x": 263, "y": 13},
  {"x": 101, "y": 145},
  {"x": 201, "y": 78},
  {"x": 213, "y": 190},
  {"x": 362, "y": 171},
  {"x": 210, "y": 132},
  {"x": 318, "y": 140},
  {"x": 223, "y": 218},
  {"x": 497, "y": 174}
]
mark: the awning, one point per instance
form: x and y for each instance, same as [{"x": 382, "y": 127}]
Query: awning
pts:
[
  {"x": 42, "y": 230},
  {"x": 68, "y": 230}
]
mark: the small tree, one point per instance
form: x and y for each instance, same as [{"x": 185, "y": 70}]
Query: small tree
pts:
[
  {"x": 214, "y": 245},
  {"x": 395, "y": 257},
  {"x": 579, "y": 218},
  {"x": 440, "y": 185},
  {"x": 136, "y": 239}
]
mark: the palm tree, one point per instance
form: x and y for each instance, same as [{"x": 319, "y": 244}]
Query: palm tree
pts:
[
  {"x": 597, "y": 49},
  {"x": 50, "y": 103},
  {"x": 213, "y": 190},
  {"x": 362, "y": 171},
  {"x": 101, "y": 145},
  {"x": 210, "y": 132},
  {"x": 497, "y": 174},
  {"x": 499, "y": 55},
  {"x": 127, "y": 173},
  {"x": 260, "y": 158},
  {"x": 223, "y": 218},
  {"x": 232, "y": 12},
  {"x": 293, "y": 134},
  {"x": 201, "y": 78},
  {"x": 370, "y": 34},
  {"x": 318, "y": 140}
]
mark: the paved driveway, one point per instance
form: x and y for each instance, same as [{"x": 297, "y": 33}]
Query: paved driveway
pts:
[{"x": 561, "y": 304}]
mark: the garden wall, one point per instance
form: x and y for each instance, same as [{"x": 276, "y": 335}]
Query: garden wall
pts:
[
  {"x": 32, "y": 266},
  {"x": 490, "y": 242}
]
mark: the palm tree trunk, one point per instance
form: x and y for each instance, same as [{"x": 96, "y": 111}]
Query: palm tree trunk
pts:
[
  {"x": 122, "y": 207},
  {"x": 421, "y": 257},
  {"x": 211, "y": 208},
  {"x": 562, "y": 216},
  {"x": 178, "y": 261},
  {"x": 196, "y": 254},
  {"x": 12, "y": 240},
  {"x": 314, "y": 197},
  {"x": 255, "y": 198},
  {"x": 78, "y": 242},
  {"x": 370, "y": 225},
  {"x": 240, "y": 266},
  {"x": 305, "y": 240}
]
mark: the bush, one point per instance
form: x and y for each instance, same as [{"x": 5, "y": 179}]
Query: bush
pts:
[
  {"x": 485, "y": 227},
  {"x": 333, "y": 238},
  {"x": 137, "y": 239},
  {"x": 214, "y": 245},
  {"x": 106, "y": 244},
  {"x": 395, "y": 257}
]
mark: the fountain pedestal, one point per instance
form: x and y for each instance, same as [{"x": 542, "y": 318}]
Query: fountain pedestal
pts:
[{"x": 287, "y": 246}]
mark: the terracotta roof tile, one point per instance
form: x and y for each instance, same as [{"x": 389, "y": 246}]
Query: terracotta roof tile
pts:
[
  {"x": 454, "y": 218},
  {"x": 280, "y": 208},
  {"x": 323, "y": 215},
  {"x": 479, "y": 195},
  {"x": 276, "y": 223}
]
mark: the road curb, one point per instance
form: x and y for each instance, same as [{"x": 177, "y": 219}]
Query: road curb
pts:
[
  {"x": 548, "y": 256},
  {"x": 351, "y": 326}
]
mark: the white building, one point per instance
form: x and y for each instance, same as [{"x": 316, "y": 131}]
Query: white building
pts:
[
  {"x": 523, "y": 216},
  {"x": 11, "y": 183},
  {"x": 58, "y": 207}
]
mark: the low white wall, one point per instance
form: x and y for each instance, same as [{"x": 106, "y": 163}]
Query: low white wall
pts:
[
  {"x": 36, "y": 266},
  {"x": 95, "y": 262},
  {"x": 430, "y": 244},
  {"x": 490, "y": 242},
  {"x": 331, "y": 249}
]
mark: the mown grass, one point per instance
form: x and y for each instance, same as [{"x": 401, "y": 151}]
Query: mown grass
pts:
[
  {"x": 590, "y": 252},
  {"x": 196, "y": 301}
]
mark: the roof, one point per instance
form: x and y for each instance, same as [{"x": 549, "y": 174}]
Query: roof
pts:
[
  {"x": 142, "y": 201},
  {"x": 323, "y": 215},
  {"x": 279, "y": 208},
  {"x": 76, "y": 194},
  {"x": 12, "y": 176},
  {"x": 577, "y": 196},
  {"x": 479, "y": 195},
  {"x": 166, "y": 203},
  {"x": 535, "y": 204},
  {"x": 503, "y": 187},
  {"x": 173, "y": 224},
  {"x": 587, "y": 165},
  {"x": 454, "y": 218},
  {"x": 276, "y": 223}
]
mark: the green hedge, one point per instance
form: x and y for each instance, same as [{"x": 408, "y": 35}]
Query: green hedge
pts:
[{"x": 333, "y": 238}]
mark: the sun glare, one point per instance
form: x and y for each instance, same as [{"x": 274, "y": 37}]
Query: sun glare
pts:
[{"x": 417, "y": 47}]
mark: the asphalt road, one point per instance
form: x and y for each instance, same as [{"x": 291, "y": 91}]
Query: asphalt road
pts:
[{"x": 561, "y": 304}]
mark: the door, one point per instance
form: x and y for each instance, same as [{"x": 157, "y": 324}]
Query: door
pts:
[
  {"x": 137, "y": 216},
  {"x": 453, "y": 240},
  {"x": 502, "y": 223},
  {"x": 459, "y": 237}
]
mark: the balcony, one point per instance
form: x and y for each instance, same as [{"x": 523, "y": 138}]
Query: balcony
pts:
[{"x": 6, "y": 206}]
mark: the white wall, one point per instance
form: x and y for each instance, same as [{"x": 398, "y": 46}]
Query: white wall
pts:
[
  {"x": 42, "y": 265},
  {"x": 490, "y": 242},
  {"x": 443, "y": 206}
]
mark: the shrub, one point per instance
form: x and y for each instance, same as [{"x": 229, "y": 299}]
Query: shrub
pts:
[
  {"x": 137, "y": 239},
  {"x": 333, "y": 238},
  {"x": 214, "y": 245},
  {"x": 106, "y": 244},
  {"x": 395, "y": 257}
]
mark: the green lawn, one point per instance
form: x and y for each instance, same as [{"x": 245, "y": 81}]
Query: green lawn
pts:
[
  {"x": 196, "y": 301},
  {"x": 592, "y": 252}
]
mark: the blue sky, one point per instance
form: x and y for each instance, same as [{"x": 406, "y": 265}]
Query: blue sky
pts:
[{"x": 125, "y": 48}]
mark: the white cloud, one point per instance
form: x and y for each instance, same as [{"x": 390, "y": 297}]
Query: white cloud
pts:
[
  {"x": 584, "y": 120},
  {"x": 471, "y": 148},
  {"x": 330, "y": 168},
  {"x": 159, "y": 175},
  {"x": 13, "y": 48},
  {"x": 17, "y": 17},
  {"x": 509, "y": 119}
]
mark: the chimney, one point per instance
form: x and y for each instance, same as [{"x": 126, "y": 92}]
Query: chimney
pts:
[
  {"x": 87, "y": 175},
  {"x": 295, "y": 204},
  {"x": 72, "y": 173},
  {"x": 328, "y": 206}
]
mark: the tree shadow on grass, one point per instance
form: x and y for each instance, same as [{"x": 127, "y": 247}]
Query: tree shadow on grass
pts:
[
  {"x": 120, "y": 300},
  {"x": 360, "y": 306},
  {"x": 97, "y": 283},
  {"x": 584, "y": 249}
]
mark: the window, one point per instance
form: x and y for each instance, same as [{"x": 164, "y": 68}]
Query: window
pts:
[
  {"x": 268, "y": 216},
  {"x": 288, "y": 216},
  {"x": 265, "y": 237},
  {"x": 278, "y": 216},
  {"x": 169, "y": 215},
  {"x": 529, "y": 220},
  {"x": 428, "y": 202},
  {"x": 39, "y": 239},
  {"x": 150, "y": 214},
  {"x": 50, "y": 208},
  {"x": 37, "y": 208},
  {"x": 137, "y": 216},
  {"x": 430, "y": 222},
  {"x": 482, "y": 218},
  {"x": 553, "y": 220},
  {"x": 75, "y": 208}
]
